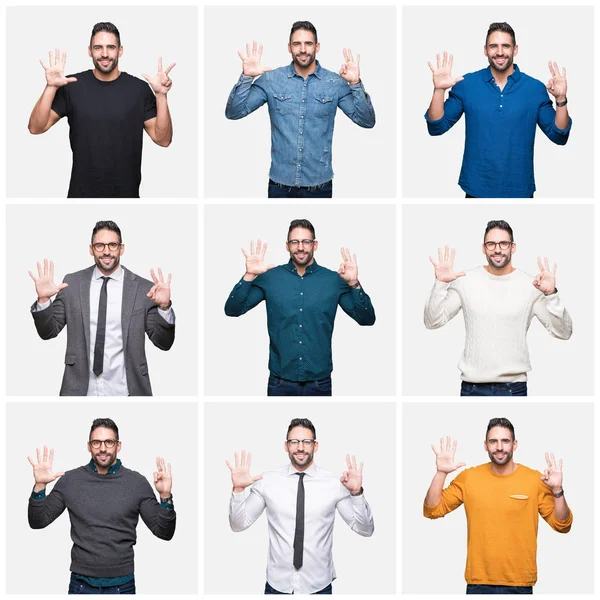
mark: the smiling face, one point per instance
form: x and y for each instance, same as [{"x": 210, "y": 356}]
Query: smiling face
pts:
[
  {"x": 103, "y": 457},
  {"x": 500, "y": 446},
  {"x": 301, "y": 455},
  {"x": 107, "y": 260},
  {"x": 105, "y": 52},
  {"x": 500, "y": 51},
  {"x": 303, "y": 48},
  {"x": 498, "y": 257},
  {"x": 302, "y": 246}
]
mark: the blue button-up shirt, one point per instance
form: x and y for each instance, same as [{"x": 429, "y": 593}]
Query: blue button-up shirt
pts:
[
  {"x": 300, "y": 314},
  {"x": 499, "y": 131},
  {"x": 302, "y": 113}
]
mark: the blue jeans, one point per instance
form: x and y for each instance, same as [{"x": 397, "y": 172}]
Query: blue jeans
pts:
[
  {"x": 518, "y": 388},
  {"x": 278, "y": 190},
  {"x": 467, "y": 196},
  {"x": 78, "y": 586},
  {"x": 272, "y": 590},
  {"x": 498, "y": 589},
  {"x": 283, "y": 387}
]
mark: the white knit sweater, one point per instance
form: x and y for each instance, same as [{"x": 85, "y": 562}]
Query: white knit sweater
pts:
[{"x": 498, "y": 311}]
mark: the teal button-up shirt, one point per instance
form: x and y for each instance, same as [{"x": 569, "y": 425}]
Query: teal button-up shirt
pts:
[{"x": 300, "y": 315}]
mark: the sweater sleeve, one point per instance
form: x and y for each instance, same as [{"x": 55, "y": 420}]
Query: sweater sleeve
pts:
[
  {"x": 45, "y": 510},
  {"x": 160, "y": 522},
  {"x": 546, "y": 510},
  {"x": 452, "y": 497},
  {"x": 443, "y": 304},
  {"x": 553, "y": 315}
]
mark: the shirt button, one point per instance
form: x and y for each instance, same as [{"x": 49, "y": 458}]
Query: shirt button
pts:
[
  {"x": 300, "y": 358},
  {"x": 501, "y": 106},
  {"x": 300, "y": 133},
  {"x": 302, "y": 293},
  {"x": 300, "y": 342},
  {"x": 501, "y": 95},
  {"x": 300, "y": 149},
  {"x": 302, "y": 100},
  {"x": 300, "y": 310},
  {"x": 302, "y": 116},
  {"x": 300, "y": 325}
]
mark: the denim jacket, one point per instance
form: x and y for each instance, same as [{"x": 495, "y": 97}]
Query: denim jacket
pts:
[{"x": 302, "y": 113}]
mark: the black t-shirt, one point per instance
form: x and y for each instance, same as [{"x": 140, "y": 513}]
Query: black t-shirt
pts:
[{"x": 106, "y": 120}]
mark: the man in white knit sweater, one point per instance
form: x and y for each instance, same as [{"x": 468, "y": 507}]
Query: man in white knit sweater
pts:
[{"x": 499, "y": 303}]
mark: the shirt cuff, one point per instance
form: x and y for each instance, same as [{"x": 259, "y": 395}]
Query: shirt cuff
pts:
[
  {"x": 38, "y": 495},
  {"x": 238, "y": 496},
  {"x": 168, "y": 315},
  {"x": 562, "y": 131},
  {"x": 244, "y": 79},
  {"x": 358, "y": 500},
  {"x": 39, "y": 306},
  {"x": 167, "y": 505},
  {"x": 432, "y": 121}
]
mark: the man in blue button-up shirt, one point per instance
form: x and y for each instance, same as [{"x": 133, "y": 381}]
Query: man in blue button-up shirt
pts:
[
  {"x": 303, "y": 98},
  {"x": 302, "y": 299},
  {"x": 502, "y": 106}
]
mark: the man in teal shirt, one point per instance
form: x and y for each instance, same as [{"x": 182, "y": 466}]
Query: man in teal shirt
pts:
[{"x": 302, "y": 299}]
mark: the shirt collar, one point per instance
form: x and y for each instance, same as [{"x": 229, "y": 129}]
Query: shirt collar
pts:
[
  {"x": 116, "y": 275},
  {"x": 311, "y": 471},
  {"x": 112, "y": 469},
  {"x": 487, "y": 74},
  {"x": 292, "y": 71},
  {"x": 310, "y": 269}
]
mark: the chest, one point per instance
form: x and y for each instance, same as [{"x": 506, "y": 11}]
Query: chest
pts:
[
  {"x": 306, "y": 99},
  {"x": 319, "y": 501},
  {"x": 503, "y": 501},
  {"x": 499, "y": 302}
]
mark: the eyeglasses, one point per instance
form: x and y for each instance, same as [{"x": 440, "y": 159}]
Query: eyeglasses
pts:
[
  {"x": 108, "y": 443},
  {"x": 303, "y": 442},
  {"x": 112, "y": 246},
  {"x": 296, "y": 243},
  {"x": 503, "y": 245}
]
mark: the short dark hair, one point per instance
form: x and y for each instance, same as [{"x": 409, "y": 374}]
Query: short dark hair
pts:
[
  {"x": 302, "y": 423},
  {"x": 108, "y": 423},
  {"x": 501, "y": 422},
  {"x": 110, "y": 225},
  {"x": 505, "y": 28},
  {"x": 499, "y": 225},
  {"x": 307, "y": 26},
  {"x": 304, "y": 223},
  {"x": 109, "y": 28}
]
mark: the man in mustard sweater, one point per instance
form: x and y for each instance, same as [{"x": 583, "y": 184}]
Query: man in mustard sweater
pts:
[{"x": 502, "y": 500}]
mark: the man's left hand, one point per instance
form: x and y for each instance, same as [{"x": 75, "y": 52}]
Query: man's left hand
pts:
[
  {"x": 350, "y": 70},
  {"x": 545, "y": 281},
  {"x": 160, "y": 83},
  {"x": 160, "y": 292},
  {"x": 557, "y": 85},
  {"x": 348, "y": 270},
  {"x": 553, "y": 476},
  {"x": 352, "y": 478},
  {"x": 162, "y": 478}
]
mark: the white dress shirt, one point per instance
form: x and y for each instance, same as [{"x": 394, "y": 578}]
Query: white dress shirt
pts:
[
  {"x": 277, "y": 491},
  {"x": 113, "y": 379}
]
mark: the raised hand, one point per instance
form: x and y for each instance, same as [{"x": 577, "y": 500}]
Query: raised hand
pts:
[
  {"x": 162, "y": 478},
  {"x": 444, "y": 458},
  {"x": 44, "y": 283},
  {"x": 160, "y": 292},
  {"x": 557, "y": 85},
  {"x": 444, "y": 269},
  {"x": 251, "y": 62},
  {"x": 255, "y": 264},
  {"x": 42, "y": 470},
  {"x": 442, "y": 75},
  {"x": 160, "y": 83},
  {"x": 545, "y": 281},
  {"x": 240, "y": 473},
  {"x": 348, "y": 270},
  {"x": 352, "y": 478},
  {"x": 553, "y": 476},
  {"x": 350, "y": 70},
  {"x": 55, "y": 72}
]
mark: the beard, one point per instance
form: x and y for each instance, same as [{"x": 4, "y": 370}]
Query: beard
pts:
[
  {"x": 506, "y": 258},
  {"x": 108, "y": 267},
  {"x": 306, "y": 62},
  {"x": 111, "y": 457},
  {"x": 114, "y": 62},
  {"x": 502, "y": 460},
  {"x": 303, "y": 460},
  {"x": 507, "y": 64},
  {"x": 306, "y": 257}
]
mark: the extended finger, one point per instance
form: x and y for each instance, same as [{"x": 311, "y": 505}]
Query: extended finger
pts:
[
  {"x": 354, "y": 462},
  {"x": 546, "y": 265},
  {"x": 38, "y": 455},
  {"x": 556, "y": 70},
  {"x": 228, "y": 465},
  {"x": 547, "y": 455},
  {"x": 243, "y": 459},
  {"x": 434, "y": 449},
  {"x": 264, "y": 250},
  {"x": 45, "y": 453},
  {"x": 358, "y": 60},
  {"x": 452, "y": 253},
  {"x": 550, "y": 67},
  {"x": 32, "y": 277},
  {"x": 160, "y": 65},
  {"x": 240, "y": 55},
  {"x": 447, "y": 443},
  {"x": 158, "y": 462},
  {"x": 56, "y": 56},
  {"x": 52, "y": 270},
  {"x": 539, "y": 262},
  {"x": 431, "y": 67},
  {"x": 237, "y": 463},
  {"x": 354, "y": 258},
  {"x": 553, "y": 459},
  {"x": 560, "y": 464},
  {"x": 350, "y": 56},
  {"x": 450, "y": 60},
  {"x": 259, "y": 247},
  {"x": 348, "y": 461},
  {"x": 249, "y": 460},
  {"x": 345, "y": 54},
  {"x": 360, "y": 468},
  {"x": 445, "y": 63},
  {"x": 433, "y": 262},
  {"x": 437, "y": 57},
  {"x": 260, "y": 49},
  {"x": 564, "y": 73},
  {"x": 169, "y": 469},
  {"x": 251, "y": 246},
  {"x": 44, "y": 65},
  {"x": 168, "y": 69},
  {"x": 31, "y": 461},
  {"x": 446, "y": 252},
  {"x": 51, "y": 458},
  {"x": 63, "y": 59},
  {"x": 253, "y": 47},
  {"x": 160, "y": 275},
  {"x": 247, "y": 49},
  {"x": 440, "y": 255},
  {"x": 153, "y": 275},
  {"x": 554, "y": 269},
  {"x": 244, "y": 252},
  {"x": 45, "y": 266}
]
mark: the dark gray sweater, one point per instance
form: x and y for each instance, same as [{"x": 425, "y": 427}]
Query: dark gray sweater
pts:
[{"x": 104, "y": 512}]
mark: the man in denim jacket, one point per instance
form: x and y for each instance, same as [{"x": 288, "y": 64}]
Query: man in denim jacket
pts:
[{"x": 302, "y": 99}]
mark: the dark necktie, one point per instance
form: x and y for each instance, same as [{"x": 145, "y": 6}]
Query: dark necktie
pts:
[
  {"x": 299, "y": 534},
  {"x": 101, "y": 330}
]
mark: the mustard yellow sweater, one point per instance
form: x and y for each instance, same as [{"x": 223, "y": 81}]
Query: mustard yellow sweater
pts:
[{"x": 502, "y": 522}]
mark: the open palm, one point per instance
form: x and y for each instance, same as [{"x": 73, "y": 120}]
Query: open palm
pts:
[
  {"x": 55, "y": 70},
  {"x": 444, "y": 457},
  {"x": 42, "y": 470}
]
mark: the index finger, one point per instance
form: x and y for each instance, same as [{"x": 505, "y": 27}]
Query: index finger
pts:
[
  {"x": 169, "y": 68},
  {"x": 550, "y": 67},
  {"x": 160, "y": 66},
  {"x": 539, "y": 261},
  {"x": 348, "y": 462},
  {"x": 153, "y": 275},
  {"x": 160, "y": 274}
]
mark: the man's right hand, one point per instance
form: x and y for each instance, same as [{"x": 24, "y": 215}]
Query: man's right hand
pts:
[
  {"x": 255, "y": 264},
  {"x": 251, "y": 62},
  {"x": 42, "y": 471},
  {"x": 240, "y": 474},
  {"x": 55, "y": 73},
  {"x": 444, "y": 269},
  {"x": 442, "y": 75},
  {"x": 44, "y": 284},
  {"x": 444, "y": 458}
]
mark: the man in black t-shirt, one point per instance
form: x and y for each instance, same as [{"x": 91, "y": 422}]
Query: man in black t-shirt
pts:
[{"x": 107, "y": 110}]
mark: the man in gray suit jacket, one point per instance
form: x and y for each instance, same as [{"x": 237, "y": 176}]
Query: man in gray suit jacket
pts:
[{"x": 106, "y": 309}]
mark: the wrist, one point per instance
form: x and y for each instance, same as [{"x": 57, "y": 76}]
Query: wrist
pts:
[
  {"x": 43, "y": 300},
  {"x": 164, "y": 497},
  {"x": 238, "y": 489},
  {"x": 557, "y": 492},
  {"x": 554, "y": 291},
  {"x": 38, "y": 487},
  {"x": 354, "y": 283},
  {"x": 249, "y": 277},
  {"x": 561, "y": 99},
  {"x": 358, "y": 493},
  {"x": 166, "y": 306}
]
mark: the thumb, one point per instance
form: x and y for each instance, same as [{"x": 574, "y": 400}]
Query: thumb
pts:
[
  {"x": 71, "y": 79},
  {"x": 256, "y": 478},
  {"x": 59, "y": 474},
  {"x": 461, "y": 274},
  {"x": 267, "y": 69},
  {"x": 62, "y": 286},
  {"x": 461, "y": 464},
  {"x": 270, "y": 267},
  {"x": 155, "y": 476},
  {"x": 146, "y": 77},
  {"x": 458, "y": 79}
]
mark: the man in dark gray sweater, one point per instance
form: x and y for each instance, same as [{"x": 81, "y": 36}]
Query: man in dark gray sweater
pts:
[{"x": 105, "y": 501}]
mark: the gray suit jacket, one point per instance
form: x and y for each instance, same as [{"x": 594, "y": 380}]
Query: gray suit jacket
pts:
[{"x": 139, "y": 314}]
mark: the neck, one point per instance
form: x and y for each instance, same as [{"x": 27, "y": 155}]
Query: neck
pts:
[
  {"x": 305, "y": 71},
  {"x": 302, "y": 268},
  {"x": 507, "y": 270},
  {"x": 302, "y": 469},
  {"x": 506, "y": 469},
  {"x": 107, "y": 273},
  {"x": 500, "y": 77},
  {"x": 106, "y": 76}
]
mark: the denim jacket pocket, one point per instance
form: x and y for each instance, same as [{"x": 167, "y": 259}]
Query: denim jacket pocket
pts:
[
  {"x": 283, "y": 103},
  {"x": 324, "y": 105}
]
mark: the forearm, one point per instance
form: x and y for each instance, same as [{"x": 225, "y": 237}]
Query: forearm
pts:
[
  {"x": 243, "y": 511},
  {"x": 163, "y": 126},
  {"x": 40, "y": 115},
  {"x": 436, "y": 107},
  {"x": 160, "y": 331},
  {"x": 441, "y": 306},
  {"x": 562, "y": 119},
  {"x": 49, "y": 321},
  {"x": 361, "y": 109},
  {"x": 362, "y": 521},
  {"x": 243, "y": 297},
  {"x": 434, "y": 493},
  {"x": 243, "y": 99},
  {"x": 561, "y": 508}
]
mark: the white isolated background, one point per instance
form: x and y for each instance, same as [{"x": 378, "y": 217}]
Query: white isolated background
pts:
[
  {"x": 365, "y": 430},
  {"x": 565, "y": 562},
  {"x": 238, "y": 153},
  {"x": 160, "y": 567},
  {"x": 236, "y": 350},
  {"x": 431, "y": 165},
  {"x": 564, "y": 234},
  {"x": 40, "y": 165},
  {"x": 154, "y": 236}
]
